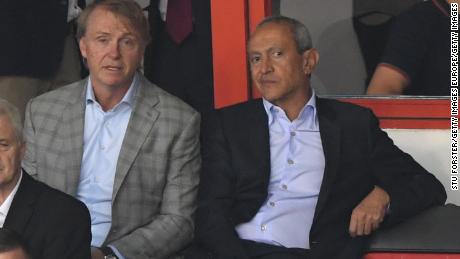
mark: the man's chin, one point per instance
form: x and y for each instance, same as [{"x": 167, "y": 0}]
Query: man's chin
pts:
[
  {"x": 117, "y": 82},
  {"x": 270, "y": 98}
]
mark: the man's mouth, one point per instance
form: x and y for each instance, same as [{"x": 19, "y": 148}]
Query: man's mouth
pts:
[
  {"x": 113, "y": 68},
  {"x": 267, "y": 81}
]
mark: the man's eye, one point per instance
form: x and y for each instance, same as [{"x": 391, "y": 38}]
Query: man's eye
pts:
[
  {"x": 4, "y": 146},
  {"x": 277, "y": 53},
  {"x": 102, "y": 40},
  {"x": 255, "y": 59},
  {"x": 128, "y": 42}
]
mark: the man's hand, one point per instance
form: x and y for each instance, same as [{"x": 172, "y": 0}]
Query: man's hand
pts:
[
  {"x": 96, "y": 253},
  {"x": 369, "y": 213}
]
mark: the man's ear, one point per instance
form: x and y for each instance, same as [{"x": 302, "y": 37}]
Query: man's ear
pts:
[
  {"x": 83, "y": 47},
  {"x": 310, "y": 60}
]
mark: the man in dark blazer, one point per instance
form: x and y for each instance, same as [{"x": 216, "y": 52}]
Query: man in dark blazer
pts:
[
  {"x": 52, "y": 224},
  {"x": 353, "y": 178},
  {"x": 184, "y": 68}
]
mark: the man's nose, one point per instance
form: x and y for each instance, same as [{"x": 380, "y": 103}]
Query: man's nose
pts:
[
  {"x": 114, "y": 50},
  {"x": 266, "y": 66}
]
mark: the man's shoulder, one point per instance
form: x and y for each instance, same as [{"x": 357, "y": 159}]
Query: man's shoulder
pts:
[
  {"x": 241, "y": 108},
  {"x": 420, "y": 19},
  {"x": 61, "y": 96},
  {"x": 342, "y": 108},
  {"x": 344, "y": 114},
  {"x": 58, "y": 202},
  {"x": 163, "y": 101},
  {"x": 421, "y": 10}
]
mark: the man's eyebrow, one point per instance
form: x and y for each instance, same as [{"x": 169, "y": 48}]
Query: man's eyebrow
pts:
[
  {"x": 129, "y": 34},
  {"x": 124, "y": 35},
  {"x": 264, "y": 50},
  {"x": 103, "y": 33}
]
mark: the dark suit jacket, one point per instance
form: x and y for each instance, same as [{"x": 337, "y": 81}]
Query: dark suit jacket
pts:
[
  {"x": 184, "y": 70},
  {"x": 358, "y": 155},
  {"x": 33, "y": 34},
  {"x": 53, "y": 224}
]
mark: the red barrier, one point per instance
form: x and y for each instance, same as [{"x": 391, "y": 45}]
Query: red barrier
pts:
[{"x": 410, "y": 256}]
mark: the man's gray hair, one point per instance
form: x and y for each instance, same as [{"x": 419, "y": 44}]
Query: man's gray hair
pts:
[
  {"x": 300, "y": 32},
  {"x": 9, "y": 110}
]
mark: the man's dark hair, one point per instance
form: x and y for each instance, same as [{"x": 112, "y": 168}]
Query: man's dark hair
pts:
[{"x": 10, "y": 240}]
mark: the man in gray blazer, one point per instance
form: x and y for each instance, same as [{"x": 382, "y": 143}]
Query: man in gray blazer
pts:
[{"x": 126, "y": 148}]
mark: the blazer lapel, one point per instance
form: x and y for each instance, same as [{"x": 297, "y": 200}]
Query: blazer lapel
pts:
[
  {"x": 71, "y": 130},
  {"x": 22, "y": 206},
  {"x": 331, "y": 138},
  {"x": 141, "y": 122},
  {"x": 259, "y": 138}
]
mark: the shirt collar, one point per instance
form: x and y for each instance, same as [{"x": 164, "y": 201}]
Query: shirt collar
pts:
[
  {"x": 270, "y": 108},
  {"x": 128, "y": 98},
  {"x": 5, "y": 207}
]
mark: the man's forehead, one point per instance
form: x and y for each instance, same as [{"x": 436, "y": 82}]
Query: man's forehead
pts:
[
  {"x": 5, "y": 119},
  {"x": 271, "y": 35},
  {"x": 273, "y": 26},
  {"x": 99, "y": 17},
  {"x": 5, "y": 126}
]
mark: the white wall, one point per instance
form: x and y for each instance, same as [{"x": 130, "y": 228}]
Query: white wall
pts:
[{"x": 431, "y": 148}]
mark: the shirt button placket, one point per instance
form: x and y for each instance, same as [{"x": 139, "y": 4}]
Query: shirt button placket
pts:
[{"x": 263, "y": 227}]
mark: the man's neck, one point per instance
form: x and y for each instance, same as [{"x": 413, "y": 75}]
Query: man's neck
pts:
[
  {"x": 293, "y": 106},
  {"x": 109, "y": 96}
]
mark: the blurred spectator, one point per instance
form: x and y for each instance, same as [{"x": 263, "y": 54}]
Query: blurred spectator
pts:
[
  {"x": 416, "y": 58},
  {"x": 38, "y": 50},
  {"x": 372, "y": 21},
  {"x": 182, "y": 66}
]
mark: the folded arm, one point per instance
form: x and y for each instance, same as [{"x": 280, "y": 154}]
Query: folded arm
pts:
[{"x": 410, "y": 187}]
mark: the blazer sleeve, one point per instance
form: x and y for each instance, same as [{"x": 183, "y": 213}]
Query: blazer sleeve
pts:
[
  {"x": 68, "y": 233},
  {"x": 29, "y": 161},
  {"x": 412, "y": 189},
  {"x": 172, "y": 229},
  {"x": 215, "y": 230}
]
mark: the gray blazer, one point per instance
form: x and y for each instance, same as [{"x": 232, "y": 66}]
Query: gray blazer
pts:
[{"x": 157, "y": 174}]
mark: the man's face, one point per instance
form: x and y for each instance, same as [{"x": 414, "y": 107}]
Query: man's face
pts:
[
  {"x": 16, "y": 253},
  {"x": 11, "y": 154},
  {"x": 113, "y": 49},
  {"x": 279, "y": 71}
]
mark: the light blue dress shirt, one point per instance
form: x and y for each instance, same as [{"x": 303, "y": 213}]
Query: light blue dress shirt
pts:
[
  {"x": 103, "y": 136},
  {"x": 297, "y": 168}
]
